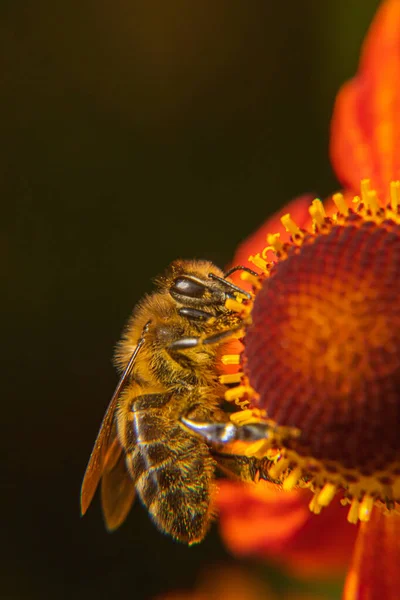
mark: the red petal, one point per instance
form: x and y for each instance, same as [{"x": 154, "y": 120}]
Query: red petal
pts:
[
  {"x": 264, "y": 522},
  {"x": 258, "y": 518},
  {"x": 365, "y": 137},
  {"x": 223, "y": 583},
  {"x": 375, "y": 568},
  {"x": 298, "y": 209}
]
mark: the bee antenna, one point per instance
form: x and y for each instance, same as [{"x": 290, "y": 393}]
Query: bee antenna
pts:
[
  {"x": 230, "y": 285},
  {"x": 241, "y": 268}
]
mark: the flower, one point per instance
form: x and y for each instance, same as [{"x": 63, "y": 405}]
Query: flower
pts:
[
  {"x": 261, "y": 520},
  {"x": 321, "y": 351}
]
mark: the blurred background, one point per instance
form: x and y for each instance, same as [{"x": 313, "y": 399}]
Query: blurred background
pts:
[{"x": 132, "y": 133}]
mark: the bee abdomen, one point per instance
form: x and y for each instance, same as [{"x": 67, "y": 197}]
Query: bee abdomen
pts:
[
  {"x": 183, "y": 506},
  {"x": 173, "y": 479},
  {"x": 145, "y": 423},
  {"x": 172, "y": 469}
]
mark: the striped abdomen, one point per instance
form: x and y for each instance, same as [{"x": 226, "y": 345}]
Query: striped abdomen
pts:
[{"x": 172, "y": 469}]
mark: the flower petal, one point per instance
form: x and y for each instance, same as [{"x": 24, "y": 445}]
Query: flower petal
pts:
[
  {"x": 263, "y": 521},
  {"x": 298, "y": 208},
  {"x": 365, "y": 135},
  {"x": 375, "y": 568},
  {"x": 222, "y": 582},
  {"x": 255, "y": 518}
]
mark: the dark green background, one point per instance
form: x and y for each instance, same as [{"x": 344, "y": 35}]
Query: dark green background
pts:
[{"x": 132, "y": 133}]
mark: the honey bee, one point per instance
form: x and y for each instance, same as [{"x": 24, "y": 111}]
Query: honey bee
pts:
[{"x": 147, "y": 442}]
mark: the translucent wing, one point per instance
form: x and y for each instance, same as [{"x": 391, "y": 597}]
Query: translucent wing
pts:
[
  {"x": 117, "y": 488},
  {"x": 105, "y": 439},
  {"x": 97, "y": 461}
]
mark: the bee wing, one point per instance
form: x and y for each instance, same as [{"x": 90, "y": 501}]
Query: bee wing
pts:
[
  {"x": 97, "y": 461},
  {"x": 117, "y": 487},
  {"x": 105, "y": 438}
]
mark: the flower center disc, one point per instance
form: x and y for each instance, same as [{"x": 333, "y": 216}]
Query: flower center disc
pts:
[{"x": 323, "y": 350}]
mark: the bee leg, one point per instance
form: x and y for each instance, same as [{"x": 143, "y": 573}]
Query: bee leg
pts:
[
  {"x": 191, "y": 342},
  {"x": 194, "y": 314},
  {"x": 231, "y": 286},
  {"x": 241, "y": 268},
  {"x": 223, "y": 433},
  {"x": 244, "y": 468}
]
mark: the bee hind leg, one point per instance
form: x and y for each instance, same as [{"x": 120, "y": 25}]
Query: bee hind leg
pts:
[
  {"x": 224, "y": 433},
  {"x": 243, "y": 468},
  {"x": 253, "y": 436}
]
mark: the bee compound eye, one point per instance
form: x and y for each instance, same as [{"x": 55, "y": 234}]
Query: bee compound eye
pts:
[{"x": 187, "y": 287}]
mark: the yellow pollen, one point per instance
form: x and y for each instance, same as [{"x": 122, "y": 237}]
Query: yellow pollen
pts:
[
  {"x": 395, "y": 195},
  {"x": 276, "y": 470},
  {"x": 230, "y": 359},
  {"x": 367, "y": 503},
  {"x": 365, "y": 190},
  {"x": 256, "y": 449},
  {"x": 244, "y": 417},
  {"x": 290, "y": 225},
  {"x": 273, "y": 455},
  {"x": 317, "y": 212},
  {"x": 238, "y": 334},
  {"x": 238, "y": 392},
  {"x": 292, "y": 479},
  {"x": 314, "y": 506},
  {"x": 258, "y": 262},
  {"x": 352, "y": 515},
  {"x": 238, "y": 307},
  {"x": 327, "y": 494},
  {"x": 255, "y": 282},
  {"x": 274, "y": 243},
  {"x": 373, "y": 203},
  {"x": 341, "y": 204},
  {"x": 243, "y": 404},
  {"x": 231, "y": 378}
]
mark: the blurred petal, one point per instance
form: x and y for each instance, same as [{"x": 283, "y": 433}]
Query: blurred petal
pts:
[
  {"x": 233, "y": 583},
  {"x": 365, "y": 136},
  {"x": 298, "y": 208},
  {"x": 224, "y": 583},
  {"x": 255, "y": 518},
  {"x": 375, "y": 568},
  {"x": 265, "y": 522}
]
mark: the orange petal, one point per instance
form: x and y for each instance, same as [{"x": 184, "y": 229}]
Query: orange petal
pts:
[
  {"x": 255, "y": 518},
  {"x": 225, "y": 583},
  {"x": 375, "y": 568},
  {"x": 298, "y": 209},
  {"x": 365, "y": 135},
  {"x": 233, "y": 583},
  {"x": 324, "y": 546},
  {"x": 264, "y": 522}
]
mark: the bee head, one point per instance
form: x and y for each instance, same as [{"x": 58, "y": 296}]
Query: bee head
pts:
[{"x": 190, "y": 284}]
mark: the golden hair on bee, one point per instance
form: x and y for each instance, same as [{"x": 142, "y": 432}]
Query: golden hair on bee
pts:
[{"x": 168, "y": 357}]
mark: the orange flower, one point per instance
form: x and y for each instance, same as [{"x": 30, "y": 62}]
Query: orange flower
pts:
[
  {"x": 322, "y": 350},
  {"x": 261, "y": 520}
]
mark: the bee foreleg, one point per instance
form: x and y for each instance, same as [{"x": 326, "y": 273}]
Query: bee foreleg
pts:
[
  {"x": 184, "y": 343},
  {"x": 191, "y": 342},
  {"x": 194, "y": 314},
  {"x": 223, "y": 433}
]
